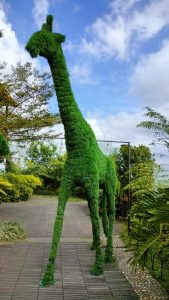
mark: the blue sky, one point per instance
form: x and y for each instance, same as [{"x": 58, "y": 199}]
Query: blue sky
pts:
[{"x": 117, "y": 53}]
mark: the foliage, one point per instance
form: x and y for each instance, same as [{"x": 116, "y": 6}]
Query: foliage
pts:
[
  {"x": 18, "y": 187},
  {"x": 142, "y": 179},
  {"x": 46, "y": 163},
  {"x": 5, "y": 186},
  {"x": 4, "y": 148},
  {"x": 11, "y": 231},
  {"x": 42, "y": 154},
  {"x": 138, "y": 154},
  {"x": 85, "y": 165},
  {"x": 149, "y": 236},
  {"x": 35, "y": 169},
  {"x": 141, "y": 174},
  {"x": 160, "y": 126},
  {"x": 55, "y": 172},
  {"x": 24, "y": 98}
]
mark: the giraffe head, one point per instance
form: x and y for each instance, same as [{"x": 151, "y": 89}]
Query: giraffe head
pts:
[{"x": 45, "y": 42}]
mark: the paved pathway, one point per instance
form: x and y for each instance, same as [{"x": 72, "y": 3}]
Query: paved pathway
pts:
[{"x": 22, "y": 263}]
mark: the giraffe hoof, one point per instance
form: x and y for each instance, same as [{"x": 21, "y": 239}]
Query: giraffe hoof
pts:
[
  {"x": 92, "y": 247},
  {"x": 109, "y": 258},
  {"x": 42, "y": 283},
  {"x": 97, "y": 270}
]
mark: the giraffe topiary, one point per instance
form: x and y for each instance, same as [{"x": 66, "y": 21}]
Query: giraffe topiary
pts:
[{"x": 86, "y": 165}]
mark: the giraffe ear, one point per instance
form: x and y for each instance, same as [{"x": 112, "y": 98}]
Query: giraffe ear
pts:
[
  {"x": 49, "y": 23},
  {"x": 60, "y": 37}
]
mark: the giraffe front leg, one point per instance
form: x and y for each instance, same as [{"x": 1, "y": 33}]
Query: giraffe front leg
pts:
[
  {"x": 64, "y": 192},
  {"x": 93, "y": 245},
  {"x": 98, "y": 265}
]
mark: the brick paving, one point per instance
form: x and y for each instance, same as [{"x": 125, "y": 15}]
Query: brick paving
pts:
[{"x": 23, "y": 263}]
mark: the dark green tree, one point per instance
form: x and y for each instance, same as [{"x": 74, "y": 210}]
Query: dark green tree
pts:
[
  {"x": 4, "y": 148},
  {"x": 141, "y": 173}
]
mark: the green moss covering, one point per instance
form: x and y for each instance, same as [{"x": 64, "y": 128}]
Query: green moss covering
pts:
[{"x": 85, "y": 165}]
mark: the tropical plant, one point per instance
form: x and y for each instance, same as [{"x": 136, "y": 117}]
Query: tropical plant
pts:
[
  {"x": 150, "y": 230},
  {"x": 143, "y": 179},
  {"x": 159, "y": 124}
]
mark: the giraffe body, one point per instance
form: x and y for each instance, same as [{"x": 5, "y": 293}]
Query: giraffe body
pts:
[{"x": 86, "y": 165}]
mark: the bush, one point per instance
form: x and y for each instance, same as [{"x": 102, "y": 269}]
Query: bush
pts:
[
  {"x": 11, "y": 231},
  {"x": 23, "y": 187},
  {"x": 5, "y": 187}
]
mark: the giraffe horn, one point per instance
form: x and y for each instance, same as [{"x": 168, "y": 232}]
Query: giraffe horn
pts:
[{"x": 49, "y": 23}]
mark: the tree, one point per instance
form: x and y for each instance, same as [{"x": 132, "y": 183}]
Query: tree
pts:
[
  {"x": 141, "y": 174},
  {"x": 160, "y": 126},
  {"x": 45, "y": 162},
  {"x": 140, "y": 154},
  {"x": 24, "y": 99},
  {"x": 4, "y": 148},
  {"x": 42, "y": 154}
]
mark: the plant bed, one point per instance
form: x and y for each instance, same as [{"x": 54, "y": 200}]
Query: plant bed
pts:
[
  {"x": 11, "y": 231},
  {"x": 152, "y": 266}
]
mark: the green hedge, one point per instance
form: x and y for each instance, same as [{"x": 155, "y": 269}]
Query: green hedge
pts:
[{"x": 22, "y": 187}]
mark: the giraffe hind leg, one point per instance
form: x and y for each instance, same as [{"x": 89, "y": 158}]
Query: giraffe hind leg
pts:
[
  {"x": 110, "y": 193},
  {"x": 105, "y": 220},
  {"x": 93, "y": 195}
]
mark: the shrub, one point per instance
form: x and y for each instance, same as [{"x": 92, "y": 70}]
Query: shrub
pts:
[
  {"x": 5, "y": 186},
  {"x": 11, "y": 231},
  {"x": 23, "y": 187}
]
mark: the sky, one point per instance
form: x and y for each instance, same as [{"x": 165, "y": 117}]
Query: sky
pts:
[{"x": 117, "y": 54}]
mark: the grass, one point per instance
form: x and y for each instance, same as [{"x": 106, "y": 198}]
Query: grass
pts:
[{"x": 11, "y": 231}]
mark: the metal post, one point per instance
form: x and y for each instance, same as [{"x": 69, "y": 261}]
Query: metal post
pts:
[{"x": 129, "y": 192}]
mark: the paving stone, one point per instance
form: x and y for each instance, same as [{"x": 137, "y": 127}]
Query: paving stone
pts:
[{"x": 23, "y": 263}]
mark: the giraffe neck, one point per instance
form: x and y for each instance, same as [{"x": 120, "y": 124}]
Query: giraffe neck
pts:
[{"x": 75, "y": 126}]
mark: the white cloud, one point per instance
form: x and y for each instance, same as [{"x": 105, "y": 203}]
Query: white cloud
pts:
[
  {"x": 10, "y": 49},
  {"x": 82, "y": 74},
  {"x": 76, "y": 8},
  {"x": 124, "y": 26},
  {"x": 40, "y": 11},
  {"x": 120, "y": 127},
  {"x": 121, "y": 6},
  {"x": 149, "y": 81}
]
